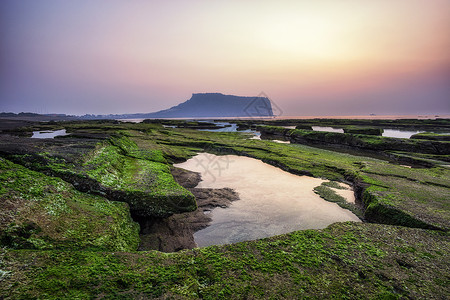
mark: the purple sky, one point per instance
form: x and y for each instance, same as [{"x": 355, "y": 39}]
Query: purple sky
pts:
[{"x": 322, "y": 57}]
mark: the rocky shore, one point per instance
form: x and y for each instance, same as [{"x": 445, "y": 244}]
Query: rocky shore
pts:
[
  {"x": 62, "y": 237},
  {"x": 176, "y": 232}
]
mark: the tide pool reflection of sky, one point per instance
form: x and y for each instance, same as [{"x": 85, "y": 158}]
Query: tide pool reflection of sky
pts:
[{"x": 322, "y": 57}]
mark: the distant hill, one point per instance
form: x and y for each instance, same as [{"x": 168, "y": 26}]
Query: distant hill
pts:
[
  {"x": 202, "y": 105},
  {"x": 217, "y": 105},
  {"x": 27, "y": 116}
]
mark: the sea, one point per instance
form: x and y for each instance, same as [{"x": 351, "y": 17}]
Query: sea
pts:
[{"x": 359, "y": 117}]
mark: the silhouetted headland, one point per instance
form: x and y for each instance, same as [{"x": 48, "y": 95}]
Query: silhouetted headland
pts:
[{"x": 218, "y": 105}]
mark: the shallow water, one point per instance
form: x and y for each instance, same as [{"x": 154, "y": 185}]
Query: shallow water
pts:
[
  {"x": 272, "y": 201},
  {"x": 347, "y": 192},
  {"x": 48, "y": 134},
  {"x": 131, "y": 120},
  {"x": 328, "y": 129},
  {"x": 281, "y": 141},
  {"x": 257, "y": 136},
  {"x": 395, "y": 133},
  {"x": 231, "y": 127}
]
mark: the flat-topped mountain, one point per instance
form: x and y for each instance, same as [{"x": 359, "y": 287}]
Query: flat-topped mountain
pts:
[{"x": 217, "y": 105}]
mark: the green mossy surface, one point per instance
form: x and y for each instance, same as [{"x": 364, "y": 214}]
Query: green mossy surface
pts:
[
  {"x": 441, "y": 125},
  {"x": 344, "y": 261},
  {"x": 421, "y": 159},
  {"x": 149, "y": 186},
  {"x": 421, "y": 194},
  {"x": 406, "y": 190},
  {"x": 362, "y": 130},
  {"x": 359, "y": 141},
  {"x": 325, "y": 191},
  {"x": 304, "y": 127},
  {"x": 334, "y": 185},
  {"x": 431, "y": 136},
  {"x": 117, "y": 168},
  {"x": 42, "y": 212}
]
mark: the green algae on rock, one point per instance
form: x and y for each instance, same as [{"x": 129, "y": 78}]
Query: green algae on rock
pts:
[
  {"x": 115, "y": 168},
  {"x": 325, "y": 191},
  {"x": 362, "y": 130},
  {"x": 358, "y": 141},
  {"x": 346, "y": 260},
  {"x": 431, "y": 136},
  {"x": 147, "y": 186},
  {"x": 409, "y": 194},
  {"x": 42, "y": 212},
  {"x": 343, "y": 261}
]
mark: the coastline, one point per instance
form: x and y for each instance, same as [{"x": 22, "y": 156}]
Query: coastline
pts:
[{"x": 404, "y": 252}]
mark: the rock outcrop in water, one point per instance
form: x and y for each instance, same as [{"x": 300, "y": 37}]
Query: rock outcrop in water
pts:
[
  {"x": 355, "y": 141},
  {"x": 218, "y": 105}
]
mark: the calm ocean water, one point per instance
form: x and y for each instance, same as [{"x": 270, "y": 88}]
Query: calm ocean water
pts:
[{"x": 359, "y": 117}]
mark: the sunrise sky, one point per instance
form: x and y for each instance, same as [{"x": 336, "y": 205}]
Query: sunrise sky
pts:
[{"x": 335, "y": 57}]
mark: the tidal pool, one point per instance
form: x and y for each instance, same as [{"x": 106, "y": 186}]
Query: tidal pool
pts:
[
  {"x": 48, "y": 134},
  {"x": 328, "y": 129},
  {"x": 396, "y": 133},
  {"x": 272, "y": 201}
]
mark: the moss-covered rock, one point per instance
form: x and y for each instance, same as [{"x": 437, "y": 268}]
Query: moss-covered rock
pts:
[
  {"x": 343, "y": 261},
  {"x": 115, "y": 168},
  {"x": 346, "y": 260},
  {"x": 42, "y": 212},
  {"x": 358, "y": 141},
  {"x": 147, "y": 186},
  {"x": 431, "y": 136},
  {"x": 362, "y": 130},
  {"x": 421, "y": 194},
  {"x": 326, "y": 192},
  {"x": 304, "y": 127}
]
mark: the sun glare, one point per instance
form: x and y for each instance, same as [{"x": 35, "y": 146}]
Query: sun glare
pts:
[{"x": 312, "y": 38}]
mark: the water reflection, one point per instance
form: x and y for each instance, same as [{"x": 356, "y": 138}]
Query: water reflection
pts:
[
  {"x": 48, "y": 134},
  {"x": 328, "y": 129},
  {"x": 281, "y": 141},
  {"x": 395, "y": 133},
  {"x": 227, "y": 127},
  {"x": 272, "y": 201}
]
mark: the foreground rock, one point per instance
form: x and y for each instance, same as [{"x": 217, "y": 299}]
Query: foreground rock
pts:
[
  {"x": 176, "y": 232},
  {"x": 343, "y": 261},
  {"x": 42, "y": 212},
  {"x": 111, "y": 166}
]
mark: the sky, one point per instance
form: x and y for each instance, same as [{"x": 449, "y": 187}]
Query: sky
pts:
[{"x": 323, "y": 57}]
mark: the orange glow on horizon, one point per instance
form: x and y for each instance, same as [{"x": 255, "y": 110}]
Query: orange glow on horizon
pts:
[{"x": 289, "y": 49}]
